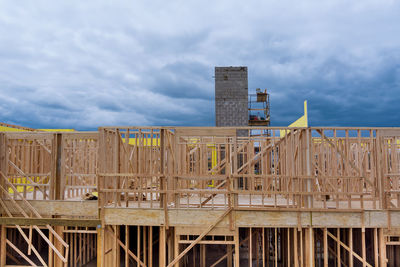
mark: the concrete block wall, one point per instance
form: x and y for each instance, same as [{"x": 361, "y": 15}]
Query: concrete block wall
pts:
[{"x": 231, "y": 96}]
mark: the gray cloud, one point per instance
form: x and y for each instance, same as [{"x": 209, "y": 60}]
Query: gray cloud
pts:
[{"x": 84, "y": 64}]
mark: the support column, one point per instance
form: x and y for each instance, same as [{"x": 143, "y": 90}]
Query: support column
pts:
[
  {"x": 150, "y": 243},
  {"x": 363, "y": 248},
  {"x": 57, "y": 261},
  {"x": 126, "y": 245},
  {"x": 3, "y": 238},
  {"x": 326, "y": 258},
  {"x": 295, "y": 247},
  {"x": 176, "y": 247},
  {"x": 338, "y": 248},
  {"x": 203, "y": 255},
  {"x": 236, "y": 239},
  {"x": 59, "y": 179},
  {"x": 229, "y": 257},
  {"x": 351, "y": 247},
  {"x": 376, "y": 253},
  {"x": 100, "y": 246},
  {"x": 170, "y": 244},
  {"x": 162, "y": 243},
  {"x": 309, "y": 247},
  {"x": 116, "y": 248},
  {"x": 250, "y": 248},
  {"x": 382, "y": 249}
]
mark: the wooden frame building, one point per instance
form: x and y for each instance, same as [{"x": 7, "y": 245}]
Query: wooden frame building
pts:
[{"x": 193, "y": 196}]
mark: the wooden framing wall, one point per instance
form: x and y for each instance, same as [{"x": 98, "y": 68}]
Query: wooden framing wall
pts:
[
  {"x": 313, "y": 168},
  {"x": 45, "y": 167},
  {"x": 50, "y": 166}
]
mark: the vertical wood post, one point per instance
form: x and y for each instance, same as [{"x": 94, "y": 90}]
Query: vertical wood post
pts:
[
  {"x": 380, "y": 170},
  {"x": 3, "y": 246},
  {"x": 60, "y": 231},
  {"x": 170, "y": 245},
  {"x": 309, "y": 247},
  {"x": 229, "y": 261},
  {"x": 326, "y": 258},
  {"x": 176, "y": 247},
  {"x": 250, "y": 248},
  {"x": 126, "y": 245},
  {"x": 202, "y": 255},
  {"x": 58, "y": 183},
  {"x": 162, "y": 252},
  {"x": 308, "y": 168},
  {"x": 376, "y": 253},
  {"x": 3, "y": 160},
  {"x": 236, "y": 238},
  {"x": 295, "y": 248},
  {"x": 363, "y": 247},
  {"x": 288, "y": 246},
  {"x": 338, "y": 248},
  {"x": 382, "y": 249},
  {"x": 351, "y": 247},
  {"x": 100, "y": 246},
  {"x": 116, "y": 247}
]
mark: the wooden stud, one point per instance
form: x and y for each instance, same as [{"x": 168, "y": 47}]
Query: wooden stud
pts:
[
  {"x": 3, "y": 239},
  {"x": 326, "y": 256},
  {"x": 351, "y": 247}
]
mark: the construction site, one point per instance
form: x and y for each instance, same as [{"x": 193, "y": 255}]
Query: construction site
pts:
[{"x": 242, "y": 193}]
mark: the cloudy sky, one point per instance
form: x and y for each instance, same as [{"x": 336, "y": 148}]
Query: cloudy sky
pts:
[{"x": 84, "y": 64}]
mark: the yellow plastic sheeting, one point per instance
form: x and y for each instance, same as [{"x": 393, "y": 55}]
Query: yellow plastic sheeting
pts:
[
  {"x": 213, "y": 161},
  {"x": 146, "y": 141},
  {"x": 57, "y": 130},
  {"x": 20, "y": 188},
  {"x": 10, "y": 129},
  {"x": 300, "y": 122}
]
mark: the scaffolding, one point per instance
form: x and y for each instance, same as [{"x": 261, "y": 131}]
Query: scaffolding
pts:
[{"x": 259, "y": 110}]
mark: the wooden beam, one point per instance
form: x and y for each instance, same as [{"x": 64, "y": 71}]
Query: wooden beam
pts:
[{"x": 50, "y": 221}]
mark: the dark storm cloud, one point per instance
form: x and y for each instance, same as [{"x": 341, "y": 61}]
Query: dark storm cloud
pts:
[
  {"x": 185, "y": 80},
  {"x": 83, "y": 64}
]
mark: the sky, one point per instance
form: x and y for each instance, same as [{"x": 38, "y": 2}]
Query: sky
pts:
[{"x": 85, "y": 64}]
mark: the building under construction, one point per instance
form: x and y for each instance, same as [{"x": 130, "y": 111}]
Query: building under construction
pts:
[{"x": 201, "y": 196}]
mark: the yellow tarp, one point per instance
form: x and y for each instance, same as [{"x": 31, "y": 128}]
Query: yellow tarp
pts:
[
  {"x": 10, "y": 129},
  {"x": 146, "y": 141},
  {"x": 57, "y": 130},
  {"x": 300, "y": 122}
]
